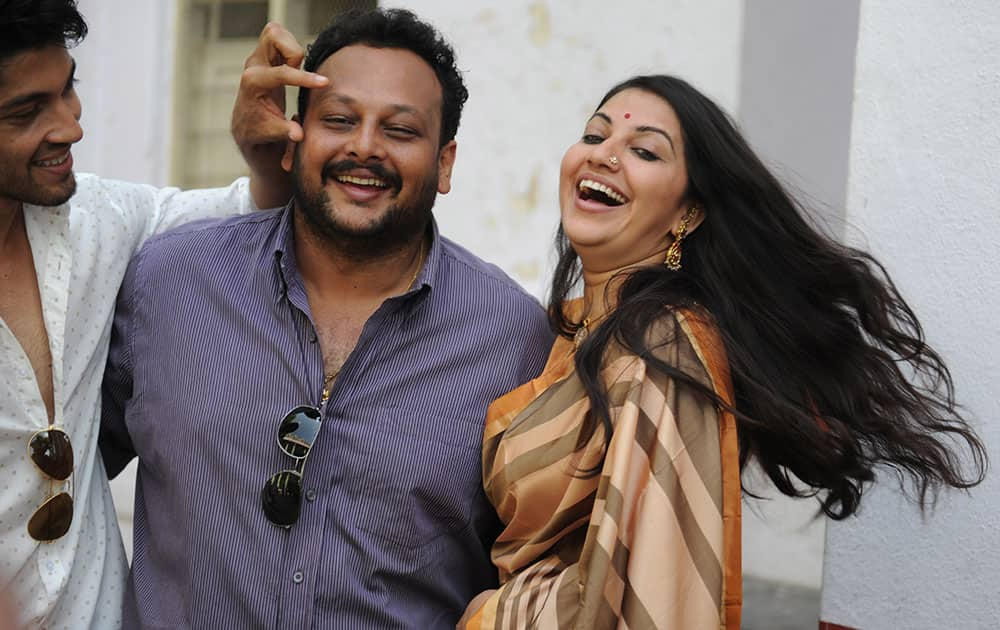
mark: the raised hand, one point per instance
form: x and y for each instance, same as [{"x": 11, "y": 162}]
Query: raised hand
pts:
[{"x": 259, "y": 125}]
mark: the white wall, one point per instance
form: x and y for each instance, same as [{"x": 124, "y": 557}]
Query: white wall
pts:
[
  {"x": 924, "y": 190},
  {"x": 125, "y": 68},
  {"x": 535, "y": 72}
]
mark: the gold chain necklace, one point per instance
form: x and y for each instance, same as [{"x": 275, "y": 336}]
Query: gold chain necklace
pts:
[
  {"x": 581, "y": 333},
  {"x": 583, "y": 330},
  {"x": 420, "y": 264},
  {"x": 328, "y": 379}
]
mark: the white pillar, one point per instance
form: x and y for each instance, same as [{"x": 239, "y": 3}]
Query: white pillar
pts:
[{"x": 923, "y": 196}]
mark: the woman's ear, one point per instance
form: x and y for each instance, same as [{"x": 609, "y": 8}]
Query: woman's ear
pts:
[{"x": 690, "y": 218}]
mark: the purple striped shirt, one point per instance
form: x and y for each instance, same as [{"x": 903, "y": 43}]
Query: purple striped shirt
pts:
[{"x": 213, "y": 343}]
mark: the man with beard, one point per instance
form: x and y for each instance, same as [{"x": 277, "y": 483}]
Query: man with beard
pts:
[
  {"x": 342, "y": 332},
  {"x": 65, "y": 242}
]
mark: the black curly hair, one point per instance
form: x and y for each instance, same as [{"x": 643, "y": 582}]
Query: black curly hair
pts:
[
  {"x": 394, "y": 28},
  {"x": 31, "y": 24}
]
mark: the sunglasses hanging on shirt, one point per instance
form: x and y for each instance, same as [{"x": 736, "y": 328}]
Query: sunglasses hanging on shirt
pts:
[
  {"x": 52, "y": 453},
  {"x": 282, "y": 494}
]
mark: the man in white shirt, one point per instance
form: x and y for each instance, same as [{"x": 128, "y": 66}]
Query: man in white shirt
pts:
[{"x": 65, "y": 242}]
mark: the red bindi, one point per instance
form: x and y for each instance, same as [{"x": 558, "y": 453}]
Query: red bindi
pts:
[{"x": 627, "y": 115}]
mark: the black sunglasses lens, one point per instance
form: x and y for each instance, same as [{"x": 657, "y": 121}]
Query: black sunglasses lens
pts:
[
  {"x": 281, "y": 498},
  {"x": 52, "y": 453},
  {"x": 298, "y": 431},
  {"x": 51, "y": 520}
]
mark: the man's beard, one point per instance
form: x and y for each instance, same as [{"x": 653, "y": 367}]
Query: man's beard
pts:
[
  {"x": 394, "y": 228},
  {"x": 26, "y": 191}
]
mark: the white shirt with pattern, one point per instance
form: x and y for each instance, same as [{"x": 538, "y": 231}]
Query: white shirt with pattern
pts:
[{"x": 81, "y": 250}]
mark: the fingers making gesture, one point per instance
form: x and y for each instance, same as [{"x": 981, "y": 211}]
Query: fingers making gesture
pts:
[{"x": 259, "y": 124}]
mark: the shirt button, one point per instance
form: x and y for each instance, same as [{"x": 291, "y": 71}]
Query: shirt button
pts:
[
  {"x": 310, "y": 495},
  {"x": 297, "y": 577}
]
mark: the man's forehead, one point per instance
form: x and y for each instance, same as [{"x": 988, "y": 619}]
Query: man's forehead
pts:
[
  {"x": 396, "y": 76},
  {"x": 8, "y": 72},
  {"x": 28, "y": 71},
  {"x": 333, "y": 96}
]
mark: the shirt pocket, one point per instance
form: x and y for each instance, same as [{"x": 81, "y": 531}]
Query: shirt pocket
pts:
[{"x": 420, "y": 476}]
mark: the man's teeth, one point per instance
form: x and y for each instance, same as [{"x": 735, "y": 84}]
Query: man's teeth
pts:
[
  {"x": 362, "y": 181},
  {"x": 55, "y": 162},
  {"x": 591, "y": 184}
]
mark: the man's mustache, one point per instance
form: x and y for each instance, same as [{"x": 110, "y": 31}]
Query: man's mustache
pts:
[{"x": 345, "y": 166}]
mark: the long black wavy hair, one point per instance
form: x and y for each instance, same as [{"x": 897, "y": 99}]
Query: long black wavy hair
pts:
[{"x": 832, "y": 377}]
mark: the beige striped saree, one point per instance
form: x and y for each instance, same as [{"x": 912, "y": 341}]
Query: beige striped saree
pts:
[{"x": 653, "y": 540}]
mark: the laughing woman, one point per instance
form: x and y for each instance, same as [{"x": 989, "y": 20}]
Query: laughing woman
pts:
[{"x": 716, "y": 327}]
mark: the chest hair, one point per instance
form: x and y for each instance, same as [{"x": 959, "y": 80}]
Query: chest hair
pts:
[
  {"x": 338, "y": 333},
  {"x": 21, "y": 310}
]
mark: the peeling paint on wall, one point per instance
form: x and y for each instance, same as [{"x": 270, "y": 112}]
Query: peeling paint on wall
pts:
[
  {"x": 535, "y": 71},
  {"x": 541, "y": 24},
  {"x": 527, "y": 272},
  {"x": 600, "y": 63},
  {"x": 526, "y": 203}
]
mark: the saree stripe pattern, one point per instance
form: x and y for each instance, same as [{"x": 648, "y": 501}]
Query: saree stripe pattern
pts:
[{"x": 650, "y": 541}]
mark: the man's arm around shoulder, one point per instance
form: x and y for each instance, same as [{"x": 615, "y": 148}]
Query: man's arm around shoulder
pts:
[{"x": 114, "y": 442}]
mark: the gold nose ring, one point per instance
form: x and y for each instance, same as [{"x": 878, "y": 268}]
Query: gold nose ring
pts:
[{"x": 613, "y": 160}]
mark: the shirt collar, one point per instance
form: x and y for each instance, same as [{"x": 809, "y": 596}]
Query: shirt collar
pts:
[
  {"x": 286, "y": 271},
  {"x": 288, "y": 280},
  {"x": 46, "y": 217},
  {"x": 432, "y": 261}
]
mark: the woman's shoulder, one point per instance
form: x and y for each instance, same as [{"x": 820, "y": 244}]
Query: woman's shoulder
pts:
[{"x": 687, "y": 339}]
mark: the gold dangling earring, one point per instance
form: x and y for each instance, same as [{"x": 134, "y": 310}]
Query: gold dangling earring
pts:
[{"x": 673, "y": 258}]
